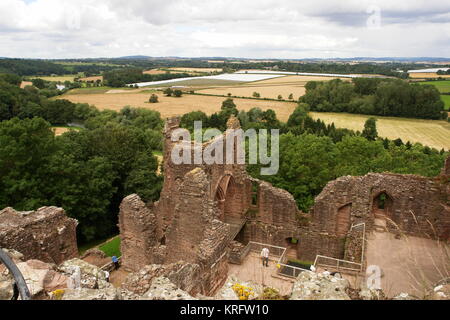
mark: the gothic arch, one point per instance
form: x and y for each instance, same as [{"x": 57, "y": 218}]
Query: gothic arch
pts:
[{"x": 225, "y": 196}]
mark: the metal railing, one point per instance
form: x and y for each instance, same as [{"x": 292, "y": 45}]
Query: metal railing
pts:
[
  {"x": 344, "y": 265},
  {"x": 339, "y": 264},
  {"x": 277, "y": 254}
]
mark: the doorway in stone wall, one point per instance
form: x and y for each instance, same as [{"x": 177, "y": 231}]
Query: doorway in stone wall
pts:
[
  {"x": 382, "y": 210},
  {"x": 292, "y": 247},
  {"x": 343, "y": 220}
]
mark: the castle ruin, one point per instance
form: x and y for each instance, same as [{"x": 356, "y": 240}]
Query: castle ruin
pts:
[{"x": 205, "y": 211}]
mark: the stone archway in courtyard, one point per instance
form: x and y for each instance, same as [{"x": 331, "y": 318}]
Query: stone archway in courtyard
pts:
[
  {"x": 382, "y": 206},
  {"x": 227, "y": 198},
  {"x": 382, "y": 211}
]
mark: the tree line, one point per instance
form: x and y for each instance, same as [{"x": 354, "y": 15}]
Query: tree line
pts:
[
  {"x": 121, "y": 77},
  {"x": 383, "y": 97}
]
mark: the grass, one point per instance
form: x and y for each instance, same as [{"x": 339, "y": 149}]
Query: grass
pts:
[
  {"x": 443, "y": 86},
  {"x": 433, "y": 133},
  {"x": 112, "y": 248},
  {"x": 89, "y": 245},
  {"x": 446, "y": 99}
]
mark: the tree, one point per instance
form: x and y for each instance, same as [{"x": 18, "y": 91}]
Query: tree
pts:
[
  {"x": 256, "y": 95},
  {"x": 228, "y": 104},
  {"x": 168, "y": 92},
  {"x": 299, "y": 116},
  {"x": 280, "y": 97},
  {"x": 291, "y": 96},
  {"x": 153, "y": 98},
  {"x": 370, "y": 129},
  {"x": 178, "y": 93},
  {"x": 187, "y": 121},
  {"x": 38, "y": 83}
]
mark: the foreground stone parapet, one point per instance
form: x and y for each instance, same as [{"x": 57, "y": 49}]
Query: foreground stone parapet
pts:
[
  {"x": 319, "y": 286},
  {"x": 46, "y": 234},
  {"x": 163, "y": 289}
]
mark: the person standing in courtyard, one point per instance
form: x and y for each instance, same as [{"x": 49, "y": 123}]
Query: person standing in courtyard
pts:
[
  {"x": 115, "y": 260},
  {"x": 265, "y": 253}
]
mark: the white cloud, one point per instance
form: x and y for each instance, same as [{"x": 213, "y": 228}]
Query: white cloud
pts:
[{"x": 259, "y": 28}]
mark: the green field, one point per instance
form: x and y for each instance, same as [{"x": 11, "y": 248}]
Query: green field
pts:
[
  {"x": 443, "y": 86},
  {"x": 446, "y": 99},
  {"x": 432, "y": 133}
]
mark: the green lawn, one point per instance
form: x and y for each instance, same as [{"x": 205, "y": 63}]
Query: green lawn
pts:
[
  {"x": 112, "y": 248},
  {"x": 446, "y": 99}
]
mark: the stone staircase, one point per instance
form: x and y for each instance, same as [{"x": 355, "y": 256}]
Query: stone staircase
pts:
[{"x": 235, "y": 227}]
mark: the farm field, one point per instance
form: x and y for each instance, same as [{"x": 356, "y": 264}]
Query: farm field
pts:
[
  {"x": 433, "y": 133},
  {"x": 427, "y": 75},
  {"x": 192, "y": 83},
  {"x": 154, "y": 72},
  {"x": 61, "y": 130},
  {"x": 446, "y": 99},
  {"x": 58, "y": 78},
  {"x": 226, "y": 77},
  {"x": 270, "y": 88},
  {"x": 200, "y": 70},
  {"x": 170, "y": 106},
  {"x": 442, "y": 86},
  {"x": 23, "y": 84},
  {"x": 95, "y": 78}
]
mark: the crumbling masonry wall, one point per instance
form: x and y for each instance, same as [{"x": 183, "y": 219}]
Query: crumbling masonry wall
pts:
[
  {"x": 414, "y": 205},
  {"x": 194, "y": 218},
  {"x": 203, "y": 206},
  {"x": 46, "y": 234}
]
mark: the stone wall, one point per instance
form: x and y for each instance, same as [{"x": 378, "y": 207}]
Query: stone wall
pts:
[
  {"x": 198, "y": 212},
  {"x": 411, "y": 205},
  {"x": 46, "y": 234}
]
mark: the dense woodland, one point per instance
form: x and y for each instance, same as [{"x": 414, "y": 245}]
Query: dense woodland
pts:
[
  {"x": 90, "y": 170},
  {"x": 383, "y": 97}
]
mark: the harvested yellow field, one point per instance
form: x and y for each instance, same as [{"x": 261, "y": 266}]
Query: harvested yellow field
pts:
[
  {"x": 154, "y": 72},
  {"x": 270, "y": 89},
  {"x": 25, "y": 84},
  {"x": 426, "y": 75},
  {"x": 200, "y": 70},
  {"x": 92, "y": 78},
  {"x": 58, "y": 78},
  {"x": 433, "y": 133},
  {"x": 270, "y": 92},
  {"x": 170, "y": 106},
  {"x": 60, "y": 131}
]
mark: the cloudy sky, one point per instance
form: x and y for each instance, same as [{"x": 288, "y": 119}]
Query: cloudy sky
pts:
[{"x": 226, "y": 28}]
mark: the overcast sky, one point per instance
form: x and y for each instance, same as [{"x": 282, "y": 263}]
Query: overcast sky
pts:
[{"x": 225, "y": 28}]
